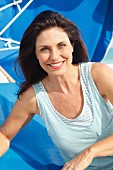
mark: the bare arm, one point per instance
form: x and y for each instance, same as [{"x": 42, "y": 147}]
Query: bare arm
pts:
[
  {"x": 10, "y": 79},
  {"x": 103, "y": 77},
  {"x": 21, "y": 114}
]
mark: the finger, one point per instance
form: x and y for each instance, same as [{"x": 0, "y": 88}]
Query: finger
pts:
[
  {"x": 69, "y": 165},
  {"x": 84, "y": 162},
  {"x": 66, "y": 166}
]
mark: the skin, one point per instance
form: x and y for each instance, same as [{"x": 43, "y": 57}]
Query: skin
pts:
[
  {"x": 10, "y": 79},
  {"x": 63, "y": 81}
]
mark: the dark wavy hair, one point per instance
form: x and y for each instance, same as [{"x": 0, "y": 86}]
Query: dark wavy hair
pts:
[{"x": 27, "y": 60}]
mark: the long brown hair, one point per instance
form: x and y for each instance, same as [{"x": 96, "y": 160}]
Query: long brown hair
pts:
[{"x": 27, "y": 60}]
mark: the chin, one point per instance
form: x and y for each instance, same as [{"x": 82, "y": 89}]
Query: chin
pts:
[{"x": 58, "y": 73}]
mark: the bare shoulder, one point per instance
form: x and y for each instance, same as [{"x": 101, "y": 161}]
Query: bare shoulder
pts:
[
  {"x": 28, "y": 100},
  {"x": 28, "y": 94},
  {"x": 101, "y": 71},
  {"x": 102, "y": 75}
]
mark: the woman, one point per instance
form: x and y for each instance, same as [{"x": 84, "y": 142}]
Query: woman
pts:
[{"x": 73, "y": 96}]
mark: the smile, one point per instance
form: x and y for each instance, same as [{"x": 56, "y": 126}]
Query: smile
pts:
[{"x": 56, "y": 65}]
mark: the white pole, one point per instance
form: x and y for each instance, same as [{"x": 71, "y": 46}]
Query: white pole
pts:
[
  {"x": 9, "y": 24},
  {"x": 6, "y": 6},
  {"x": 9, "y": 39}
]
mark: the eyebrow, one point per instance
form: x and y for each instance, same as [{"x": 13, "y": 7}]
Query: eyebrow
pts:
[
  {"x": 49, "y": 46},
  {"x": 43, "y": 46}
]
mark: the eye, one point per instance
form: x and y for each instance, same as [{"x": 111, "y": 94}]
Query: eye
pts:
[
  {"x": 62, "y": 45},
  {"x": 44, "y": 49}
]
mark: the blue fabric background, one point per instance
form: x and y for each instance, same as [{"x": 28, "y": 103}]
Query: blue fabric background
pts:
[{"x": 32, "y": 148}]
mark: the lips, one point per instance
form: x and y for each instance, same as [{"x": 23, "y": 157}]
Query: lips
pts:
[{"x": 56, "y": 65}]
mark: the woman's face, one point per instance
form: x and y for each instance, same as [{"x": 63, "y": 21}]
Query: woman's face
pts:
[{"x": 54, "y": 51}]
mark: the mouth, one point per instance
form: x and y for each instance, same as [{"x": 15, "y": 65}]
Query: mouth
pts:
[{"x": 56, "y": 65}]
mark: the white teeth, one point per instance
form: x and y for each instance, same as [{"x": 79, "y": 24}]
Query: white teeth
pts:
[{"x": 58, "y": 64}]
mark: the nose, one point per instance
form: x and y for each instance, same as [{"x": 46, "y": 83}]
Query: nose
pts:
[{"x": 54, "y": 54}]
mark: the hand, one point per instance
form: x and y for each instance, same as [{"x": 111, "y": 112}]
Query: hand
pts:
[{"x": 82, "y": 161}]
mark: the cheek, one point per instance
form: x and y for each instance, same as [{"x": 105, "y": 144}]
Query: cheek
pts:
[
  {"x": 42, "y": 59},
  {"x": 68, "y": 52}
]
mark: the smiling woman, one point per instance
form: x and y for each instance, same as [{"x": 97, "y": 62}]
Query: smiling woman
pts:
[
  {"x": 46, "y": 20},
  {"x": 74, "y": 98}
]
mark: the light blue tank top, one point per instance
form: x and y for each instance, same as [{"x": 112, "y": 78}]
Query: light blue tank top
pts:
[{"x": 72, "y": 138}]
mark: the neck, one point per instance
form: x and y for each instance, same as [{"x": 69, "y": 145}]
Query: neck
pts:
[{"x": 64, "y": 83}]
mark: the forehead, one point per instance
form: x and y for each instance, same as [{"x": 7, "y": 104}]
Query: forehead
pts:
[{"x": 52, "y": 35}]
